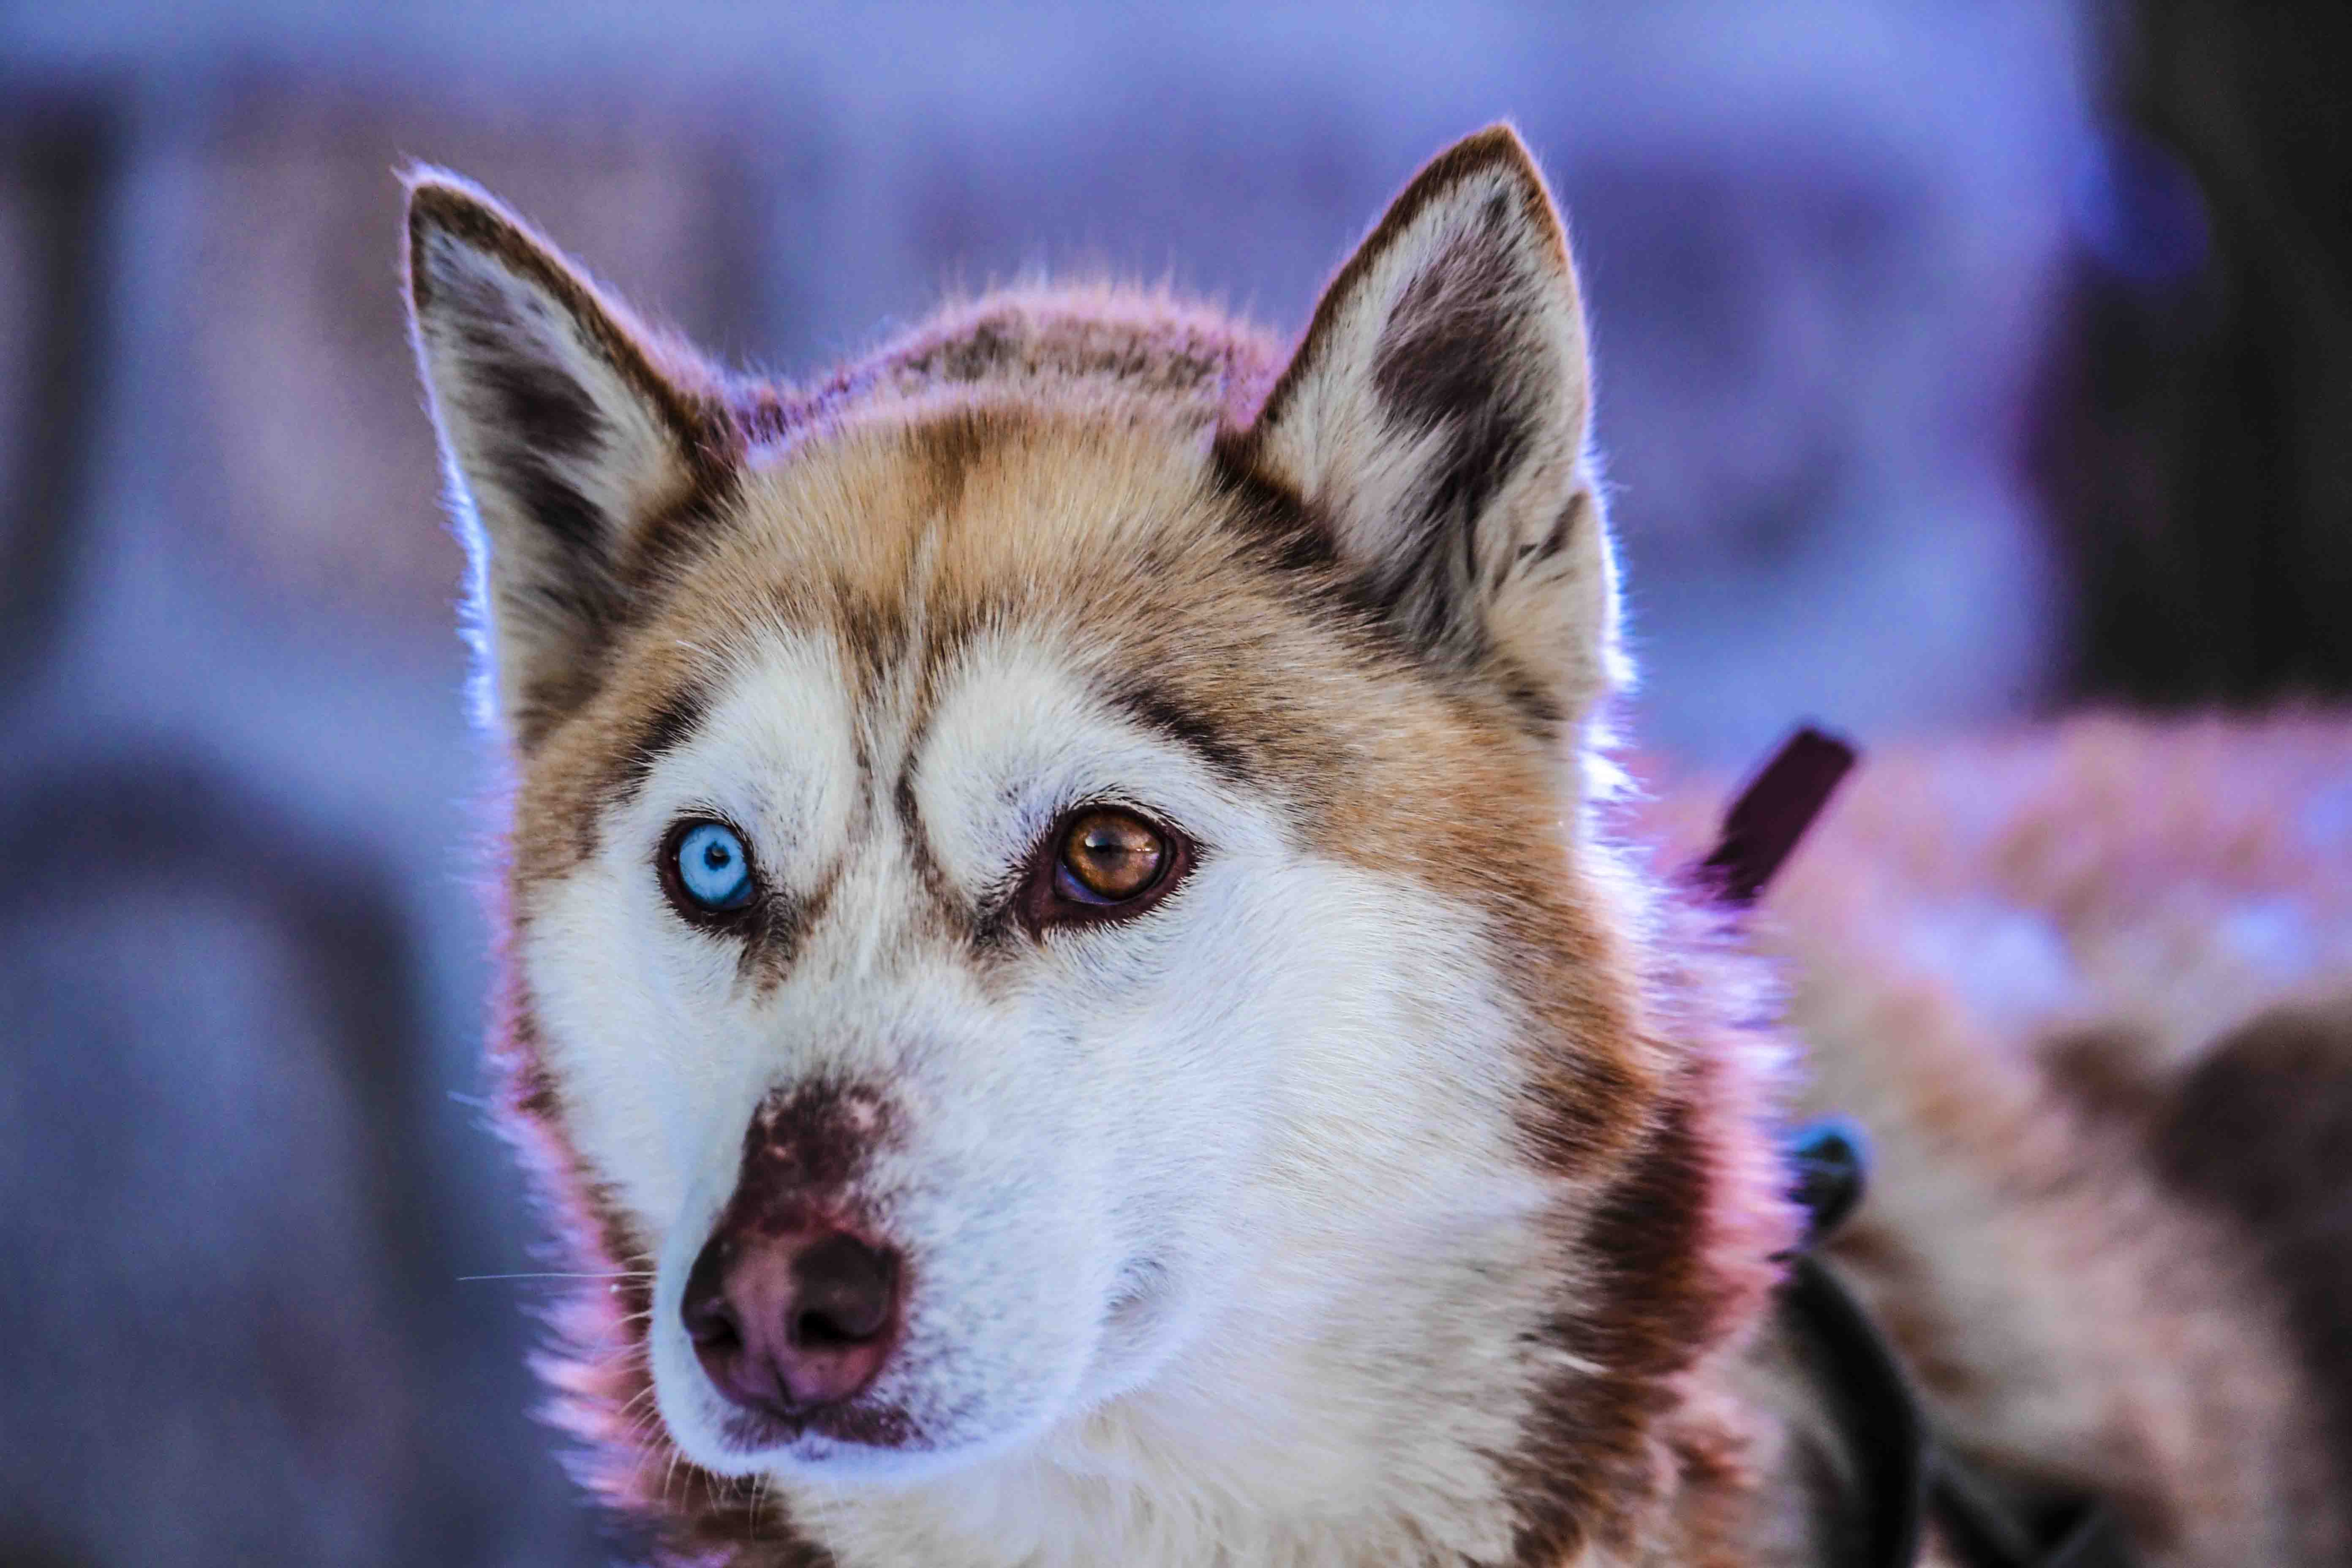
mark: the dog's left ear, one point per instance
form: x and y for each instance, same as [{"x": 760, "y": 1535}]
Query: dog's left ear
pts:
[
  {"x": 568, "y": 429},
  {"x": 1433, "y": 420}
]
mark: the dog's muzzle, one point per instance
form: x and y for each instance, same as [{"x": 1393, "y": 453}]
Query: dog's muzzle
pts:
[
  {"x": 787, "y": 1323},
  {"x": 797, "y": 1300}
]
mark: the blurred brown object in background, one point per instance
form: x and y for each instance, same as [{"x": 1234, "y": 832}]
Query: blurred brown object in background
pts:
[
  {"x": 2197, "y": 464},
  {"x": 56, "y": 153},
  {"x": 2288, "y": 1173}
]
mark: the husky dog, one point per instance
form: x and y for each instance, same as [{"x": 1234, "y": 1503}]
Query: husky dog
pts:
[{"x": 1068, "y": 973}]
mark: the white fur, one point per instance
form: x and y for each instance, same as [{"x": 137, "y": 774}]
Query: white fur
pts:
[{"x": 1183, "y": 1197}]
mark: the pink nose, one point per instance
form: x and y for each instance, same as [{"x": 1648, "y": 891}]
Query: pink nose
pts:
[{"x": 785, "y": 1325}]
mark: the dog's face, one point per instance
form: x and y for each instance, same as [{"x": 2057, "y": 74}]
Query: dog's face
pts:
[{"x": 1027, "y": 890}]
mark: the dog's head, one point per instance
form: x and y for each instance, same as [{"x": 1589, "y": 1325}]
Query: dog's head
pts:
[{"x": 1049, "y": 869}]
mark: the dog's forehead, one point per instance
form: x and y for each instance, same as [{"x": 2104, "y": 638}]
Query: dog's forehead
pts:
[
  {"x": 922, "y": 554},
  {"x": 926, "y": 523},
  {"x": 908, "y": 547},
  {"x": 1106, "y": 545},
  {"x": 880, "y": 557}
]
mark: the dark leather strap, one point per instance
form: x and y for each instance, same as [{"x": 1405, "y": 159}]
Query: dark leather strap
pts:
[
  {"x": 1984, "y": 1533},
  {"x": 1772, "y": 813},
  {"x": 1863, "y": 1392}
]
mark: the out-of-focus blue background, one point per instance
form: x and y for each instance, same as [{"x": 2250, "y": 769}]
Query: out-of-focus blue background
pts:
[{"x": 1849, "y": 265}]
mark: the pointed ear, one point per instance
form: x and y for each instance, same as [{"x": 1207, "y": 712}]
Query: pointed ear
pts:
[
  {"x": 1433, "y": 421},
  {"x": 567, "y": 432}
]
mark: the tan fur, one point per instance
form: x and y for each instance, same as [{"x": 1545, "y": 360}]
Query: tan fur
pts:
[
  {"x": 1225, "y": 549},
  {"x": 2007, "y": 958}
]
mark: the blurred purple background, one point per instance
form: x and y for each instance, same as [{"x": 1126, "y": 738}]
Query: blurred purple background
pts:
[{"x": 1902, "y": 313}]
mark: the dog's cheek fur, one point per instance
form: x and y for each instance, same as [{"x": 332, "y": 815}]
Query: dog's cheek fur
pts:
[{"x": 1291, "y": 1120}]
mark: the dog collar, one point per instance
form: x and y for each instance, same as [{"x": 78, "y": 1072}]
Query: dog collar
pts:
[{"x": 1901, "y": 1477}]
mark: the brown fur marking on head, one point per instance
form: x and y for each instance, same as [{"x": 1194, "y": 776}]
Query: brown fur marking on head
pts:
[{"x": 2263, "y": 1126}]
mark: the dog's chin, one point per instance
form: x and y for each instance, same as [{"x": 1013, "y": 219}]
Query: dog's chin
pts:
[
  {"x": 876, "y": 1441},
  {"x": 827, "y": 1455},
  {"x": 851, "y": 1446},
  {"x": 868, "y": 1441},
  {"x": 858, "y": 1442}
]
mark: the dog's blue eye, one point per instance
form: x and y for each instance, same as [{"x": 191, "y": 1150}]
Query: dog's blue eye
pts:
[{"x": 714, "y": 869}]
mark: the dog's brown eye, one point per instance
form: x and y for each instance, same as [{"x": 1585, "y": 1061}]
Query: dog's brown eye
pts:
[
  {"x": 1101, "y": 863},
  {"x": 1113, "y": 856}
]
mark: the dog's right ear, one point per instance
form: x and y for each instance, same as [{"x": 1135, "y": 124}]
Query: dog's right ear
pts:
[
  {"x": 1433, "y": 420},
  {"x": 565, "y": 429}
]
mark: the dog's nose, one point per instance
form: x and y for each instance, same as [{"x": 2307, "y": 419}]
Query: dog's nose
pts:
[{"x": 785, "y": 1323}]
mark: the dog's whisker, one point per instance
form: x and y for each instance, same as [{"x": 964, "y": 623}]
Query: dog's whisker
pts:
[{"x": 553, "y": 1274}]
